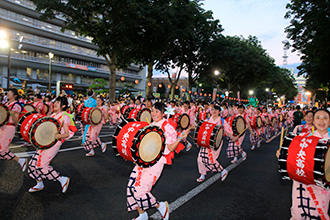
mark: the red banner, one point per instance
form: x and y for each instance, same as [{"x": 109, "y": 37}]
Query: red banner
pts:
[{"x": 300, "y": 162}]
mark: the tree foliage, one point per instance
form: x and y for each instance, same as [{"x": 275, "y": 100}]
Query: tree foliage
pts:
[
  {"x": 309, "y": 30},
  {"x": 99, "y": 85},
  {"x": 110, "y": 23}
]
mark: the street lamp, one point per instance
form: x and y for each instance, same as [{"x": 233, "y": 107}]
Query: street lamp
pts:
[
  {"x": 227, "y": 93},
  {"x": 50, "y": 55},
  {"x": 216, "y": 72},
  {"x": 250, "y": 92},
  {"x": 267, "y": 89}
]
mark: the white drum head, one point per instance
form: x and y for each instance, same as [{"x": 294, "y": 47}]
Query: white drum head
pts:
[
  {"x": 145, "y": 116},
  {"x": 29, "y": 108},
  {"x": 184, "y": 121},
  {"x": 327, "y": 166},
  {"x": 150, "y": 146},
  {"x": 45, "y": 133},
  {"x": 3, "y": 114},
  {"x": 259, "y": 122},
  {"x": 219, "y": 138},
  {"x": 240, "y": 125},
  {"x": 96, "y": 116}
]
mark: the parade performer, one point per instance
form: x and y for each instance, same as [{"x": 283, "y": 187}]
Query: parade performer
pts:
[
  {"x": 312, "y": 201},
  {"x": 50, "y": 105},
  {"x": 266, "y": 130},
  {"x": 38, "y": 104},
  {"x": 255, "y": 139},
  {"x": 93, "y": 140},
  {"x": 306, "y": 128},
  {"x": 141, "y": 180},
  {"x": 7, "y": 131},
  {"x": 185, "y": 109},
  {"x": 235, "y": 147},
  {"x": 207, "y": 158},
  {"x": 90, "y": 102},
  {"x": 39, "y": 167}
]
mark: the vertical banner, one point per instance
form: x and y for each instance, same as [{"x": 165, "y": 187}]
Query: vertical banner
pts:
[
  {"x": 295, "y": 100},
  {"x": 299, "y": 98},
  {"x": 238, "y": 98},
  {"x": 214, "y": 94},
  {"x": 173, "y": 74}
]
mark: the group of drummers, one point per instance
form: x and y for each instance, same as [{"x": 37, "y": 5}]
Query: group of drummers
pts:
[{"x": 150, "y": 133}]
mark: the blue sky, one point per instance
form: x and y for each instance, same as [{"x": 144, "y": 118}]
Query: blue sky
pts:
[{"x": 261, "y": 18}]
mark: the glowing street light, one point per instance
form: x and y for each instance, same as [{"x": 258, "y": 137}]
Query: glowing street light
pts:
[
  {"x": 216, "y": 72},
  {"x": 51, "y": 56},
  {"x": 227, "y": 93},
  {"x": 308, "y": 93},
  {"x": 250, "y": 92},
  {"x": 267, "y": 89}
]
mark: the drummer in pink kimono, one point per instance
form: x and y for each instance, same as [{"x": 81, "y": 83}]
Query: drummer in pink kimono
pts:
[
  {"x": 139, "y": 195},
  {"x": 235, "y": 147},
  {"x": 185, "y": 110},
  {"x": 318, "y": 197},
  {"x": 94, "y": 130},
  {"x": 207, "y": 158},
  {"x": 7, "y": 131},
  {"x": 39, "y": 167}
]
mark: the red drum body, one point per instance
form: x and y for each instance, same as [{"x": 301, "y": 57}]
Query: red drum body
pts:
[
  {"x": 139, "y": 142},
  {"x": 38, "y": 130},
  {"x": 202, "y": 116},
  {"x": 29, "y": 108},
  {"x": 91, "y": 115},
  {"x": 237, "y": 124},
  {"x": 305, "y": 159},
  {"x": 256, "y": 122},
  {"x": 182, "y": 120},
  {"x": 79, "y": 110},
  {"x": 123, "y": 109},
  {"x": 138, "y": 114},
  {"x": 4, "y": 114},
  {"x": 209, "y": 135}
]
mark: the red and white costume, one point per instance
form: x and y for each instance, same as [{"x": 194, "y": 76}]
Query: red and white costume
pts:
[
  {"x": 7, "y": 132},
  {"x": 40, "y": 107},
  {"x": 302, "y": 129},
  {"x": 142, "y": 180},
  {"x": 93, "y": 140},
  {"x": 39, "y": 167},
  {"x": 51, "y": 108},
  {"x": 207, "y": 158},
  {"x": 235, "y": 148},
  {"x": 310, "y": 201}
]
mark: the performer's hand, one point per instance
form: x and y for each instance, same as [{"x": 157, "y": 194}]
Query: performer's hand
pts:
[
  {"x": 57, "y": 136},
  {"x": 235, "y": 138},
  {"x": 278, "y": 153}
]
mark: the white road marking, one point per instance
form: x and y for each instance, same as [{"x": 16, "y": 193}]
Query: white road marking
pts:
[
  {"x": 72, "y": 139},
  {"x": 192, "y": 193},
  {"x": 30, "y": 153}
]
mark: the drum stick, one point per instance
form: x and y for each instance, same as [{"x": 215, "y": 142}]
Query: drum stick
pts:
[
  {"x": 147, "y": 120},
  {"x": 282, "y": 133},
  {"x": 242, "y": 132}
]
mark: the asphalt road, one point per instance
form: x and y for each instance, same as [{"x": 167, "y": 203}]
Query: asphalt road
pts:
[{"x": 252, "y": 190}]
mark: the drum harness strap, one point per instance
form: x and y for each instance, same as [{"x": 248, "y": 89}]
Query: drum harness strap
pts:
[
  {"x": 11, "y": 108},
  {"x": 180, "y": 147}
]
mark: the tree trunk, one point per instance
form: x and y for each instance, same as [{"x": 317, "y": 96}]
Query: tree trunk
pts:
[
  {"x": 112, "y": 78},
  {"x": 149, "y": 77},
  {"x": 172, "y": 92}
]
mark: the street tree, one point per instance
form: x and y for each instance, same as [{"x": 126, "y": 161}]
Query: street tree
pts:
[
  {"x": 110, "y": 24},
  {"x": 309, "y": 30}
]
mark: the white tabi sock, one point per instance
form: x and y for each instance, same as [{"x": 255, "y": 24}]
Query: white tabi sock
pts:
[
  {"x": 21, "y": 161},
  {"x": 143, "y": 216},
  {"x": 39, "y": 185},
  {"x": 63, "y": 180},
  {"x": 162, "y": 207}
]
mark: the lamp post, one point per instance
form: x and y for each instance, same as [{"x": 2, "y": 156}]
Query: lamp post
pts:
[
  {"x": 267, "y": 93},
  {"x": 250, "y": 92},
  {"x": 50, "y": 55},
  {"x": 4, "y": 43}
]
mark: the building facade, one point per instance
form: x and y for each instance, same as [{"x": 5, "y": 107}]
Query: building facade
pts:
[{"x": 74, "y": 61}]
